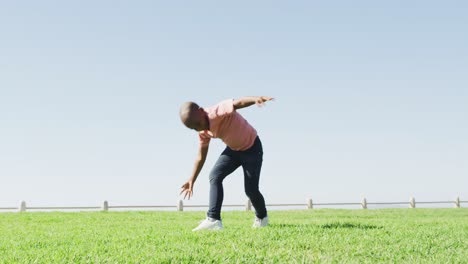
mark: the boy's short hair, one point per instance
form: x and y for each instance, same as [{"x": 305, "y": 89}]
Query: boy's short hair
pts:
[{"x": 186, "y": 111}]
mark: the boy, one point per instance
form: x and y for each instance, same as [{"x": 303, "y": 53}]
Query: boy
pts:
[{"x": 243, "y": 148}]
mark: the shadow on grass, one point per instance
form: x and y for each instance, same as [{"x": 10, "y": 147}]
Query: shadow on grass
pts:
[
  {"x": 349, "y": 226},
  {"x": 335, "y": 225}
]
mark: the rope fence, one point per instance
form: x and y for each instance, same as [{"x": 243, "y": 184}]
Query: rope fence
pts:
[{"x": 247, "y": 206}]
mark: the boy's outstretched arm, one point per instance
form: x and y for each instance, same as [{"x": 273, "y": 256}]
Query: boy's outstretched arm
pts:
[
  {"x": 187, "y": 187},
  {"x": 250, "y": 100}
]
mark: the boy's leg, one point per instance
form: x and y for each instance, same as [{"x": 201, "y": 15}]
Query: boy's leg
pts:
[
  {"x": 252, "y": 160},
  {"x": 225, "y": 165}
]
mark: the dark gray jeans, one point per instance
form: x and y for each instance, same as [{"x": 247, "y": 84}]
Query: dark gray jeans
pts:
[{"x": 251, "y": 161}]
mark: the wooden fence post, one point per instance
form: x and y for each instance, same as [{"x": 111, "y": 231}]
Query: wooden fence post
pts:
[
  {"x": 248, "y": 205},
  {"x": 310, "y": 205},
  {"x": 412, "y": 202},
  {"x": 364, "y": 203},
  {"x": 180, "y": 206},
  {"x": 22, "y": 207},
  {"x": 457, "y": 202},
  {"x": 105, "y": 206}
]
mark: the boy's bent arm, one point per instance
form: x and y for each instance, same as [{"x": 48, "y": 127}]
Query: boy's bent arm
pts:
[{"x": 250, "y": 100}]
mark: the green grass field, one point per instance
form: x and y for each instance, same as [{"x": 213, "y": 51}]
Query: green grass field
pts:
[{"x": 307, "y": 236}]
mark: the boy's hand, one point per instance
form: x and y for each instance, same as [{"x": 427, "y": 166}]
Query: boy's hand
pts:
[
  {"x": 187, "y": 189},
  {"x": 251, "y": 100},
  {"x": 260, "y": 101}
]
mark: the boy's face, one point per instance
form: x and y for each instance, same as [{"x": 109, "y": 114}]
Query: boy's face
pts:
[{"x": 199, "y": 121}]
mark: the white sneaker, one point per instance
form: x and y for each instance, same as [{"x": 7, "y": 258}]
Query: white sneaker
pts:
[
  {"x": 260, "y": 222},
  {"x": 209, "y": 224}
]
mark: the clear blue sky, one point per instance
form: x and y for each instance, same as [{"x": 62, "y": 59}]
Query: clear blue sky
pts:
[{"x": 372, "y": 98}]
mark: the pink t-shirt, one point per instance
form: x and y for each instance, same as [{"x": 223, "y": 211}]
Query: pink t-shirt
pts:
[{"x": 229, "y": 126}]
